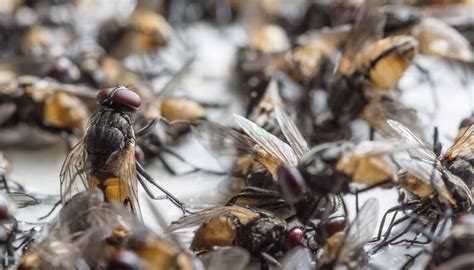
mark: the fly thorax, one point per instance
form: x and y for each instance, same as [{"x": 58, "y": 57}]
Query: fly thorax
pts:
[{"x": 263, "y": 235}]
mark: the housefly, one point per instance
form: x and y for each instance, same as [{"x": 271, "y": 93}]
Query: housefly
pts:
[
  {"x": 302, "y": 171},
  {"x": 51, "y": 107},
  {"x": 438, "y": 183},
  {"x": 66, "y": 243},
  {"x": 105, "y": 157},
  {"x": 132, "y": 245},
  {"x": 255, "y": 230},
  {"x": 369, "y": 66},
  {"x": 143, "y": 32}
]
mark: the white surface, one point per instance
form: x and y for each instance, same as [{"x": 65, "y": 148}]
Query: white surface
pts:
[{"x": 39, "y": 169}]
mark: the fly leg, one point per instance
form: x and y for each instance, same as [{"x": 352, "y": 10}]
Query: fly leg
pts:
[
  {"x": 195, "y": 168},
  {"x": 143, "y": 175},
  {"x": 409, "y": 263},
  {"x": 51, "y": 211},
  {"x": 391, "y": 210},
  {"x": 432, "y": 84}
]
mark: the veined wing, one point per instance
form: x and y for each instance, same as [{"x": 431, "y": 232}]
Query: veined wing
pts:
[
  {"x": 291, "y": 132},
  {"x": 229, "y": 258},
  {"x": 360, "y": 230},
  {"x": 270, "y": 143},
  {"x": 74, "y": 176},
  {"x": 463, "y": 146},
  {"x": 423, "y": 152},
  {"x": 201, "y": 217}
]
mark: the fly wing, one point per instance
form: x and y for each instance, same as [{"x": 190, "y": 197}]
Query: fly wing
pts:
[
  {"x": 220, "y": 139},
  {"x": 229, "y": 258},
  {"x": 291, "y": 132},
  {"x": 383, "y": 107},
  {"x": 361, "y": 229},
  {"x": 270, "y": 143},
  {"x": 75, "y": 171},
  {"x": 125, "y": 169},
  {"x": 463, "y": 146},
  {"x": 23, "y": 200},
  {"x": 402, "y": 132},
  {"x": 297, "y": 258},
  {"x": 381, "y": 147},
  {"x": 224, "y": 143},
  {"x": 367, "y": 28},
  {"x": 201, "y": 217}
]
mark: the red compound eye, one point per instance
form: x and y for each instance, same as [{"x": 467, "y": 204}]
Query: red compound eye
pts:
[
  {"x": 295, "y": 237},
  {"x": 333, "y": 226},
  {"x": 118, "y": 97}
]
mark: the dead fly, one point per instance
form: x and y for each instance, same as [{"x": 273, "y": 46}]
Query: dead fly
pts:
[
  {"x": 143, "y": 32},
  {"x": 305, "y": 177},
  {"x": 369, "y": 66},
  {"x": 438, "y": 185},
  {"x": 105, "y": 157},
  {"x": 76, "y": 238},
  {"x": 346, "y": 249},
  {"x": 259, "y": 232},
  {"x": 51, "y": 107},
  {"x": 132, "y": 245}
]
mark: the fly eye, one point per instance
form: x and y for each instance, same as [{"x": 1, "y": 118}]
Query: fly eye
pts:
[
  {"x": 466, "y": 122},
  {"x": 292, "y": 183},
  {"x": 125, "y": 260},
  {"x": 5, "y": 212},
  {"x": 332, "y": 226},
  {"x": 295, "y": 237},
  {"x": 119, "y": 98}
]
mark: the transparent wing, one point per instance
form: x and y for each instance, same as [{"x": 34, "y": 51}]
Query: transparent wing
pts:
[
  {"x": 384, "y": 107},
  {"x": 198, "y": 218},
  {"x": 270, "y": 143},
  {"x": 297, "y": 258},
  {"x": 381, "y": 147},
  {"x": 402, "y": 132},
  {"x": 229, "y": 258},
  {"x": 224, "y": 143},
  {"x": 361, "y": 229},
  {"x": 221, "y": 139},
  {"x": 367, "y": 28},
  {"x": 74, "y": 172},
  {"x": 463, "y": 146},
  {"x": 291, "y": 132},
  {"x": 23, "y": 200}
]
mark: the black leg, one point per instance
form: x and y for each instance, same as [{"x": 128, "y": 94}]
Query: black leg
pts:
[
  {"x": 143, "y": 175},
  {"x": 147, "y": 128},
  {"x": 196, "y": 168},
  {"x": 51, "y": 211}
]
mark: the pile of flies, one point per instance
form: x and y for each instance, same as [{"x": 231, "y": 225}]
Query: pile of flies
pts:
[{"x": 328, "y": 159}]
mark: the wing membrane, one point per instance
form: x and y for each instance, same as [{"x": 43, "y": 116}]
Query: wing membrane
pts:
[
  {"x": 361, "y": 229},
  {"x": 270, "y": 143},
  {"x": 291, "y": 132}
]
